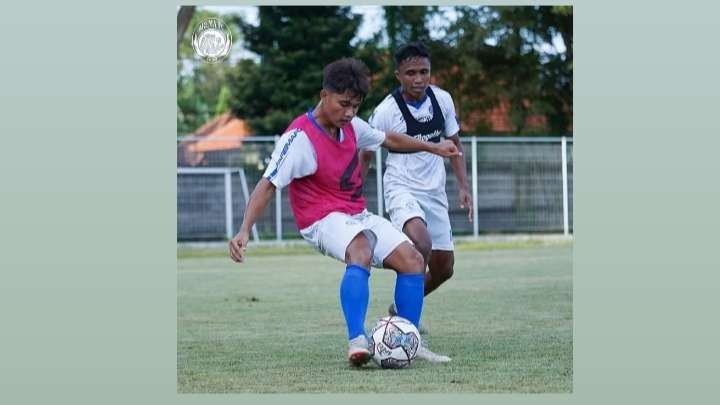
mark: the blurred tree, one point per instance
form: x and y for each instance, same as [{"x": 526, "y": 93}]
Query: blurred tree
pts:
[
  {"x": 223, "y": 102},
  {"x": 185, "y": 14},
  {"x": 201, "y": 95},
  {"x": 496, "y": 55},
  {"x": 518, "y": 58},
  {"x": 489, "y": 57},
  {"x": 558, "y": 70},
  {"x": 403, "y": 24},
  {"x": 406, "y": 24},
  {"x": 543, "y": 75},
  {"x": 294, "y": 44},
  {"x": 379, "y": 61}
]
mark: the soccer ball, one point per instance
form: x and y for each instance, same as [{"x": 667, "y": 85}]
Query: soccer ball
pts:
[{"x": 394, "y": 342}]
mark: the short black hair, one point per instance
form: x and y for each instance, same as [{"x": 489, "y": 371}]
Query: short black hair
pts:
[
  {"x": 347, "y": 74},
  {"x": 411, "y": 50}
]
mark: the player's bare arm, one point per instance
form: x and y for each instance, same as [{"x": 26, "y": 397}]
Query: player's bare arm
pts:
[
  {"x": 259, "y": 199},
  {"x": 404, "y": 143},
  {"x": 458, "y": 165},
  {"x": 366, "y": 157}
]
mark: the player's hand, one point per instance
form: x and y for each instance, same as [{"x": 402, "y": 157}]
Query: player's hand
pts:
[
  {"x": 466, "y": 202},
  {"x": 237, "y": 245},
  {"x": 447, "y": 149}
]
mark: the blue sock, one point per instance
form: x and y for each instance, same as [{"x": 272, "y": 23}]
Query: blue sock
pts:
[
  {"x": 409, "y": 295},
  {"x": 354, "y": 297}
]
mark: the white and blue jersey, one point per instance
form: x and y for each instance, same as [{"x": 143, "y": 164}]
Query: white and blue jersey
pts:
[
  {"x": 418, "y": 170},
  {"x": 415, "y": 182}
]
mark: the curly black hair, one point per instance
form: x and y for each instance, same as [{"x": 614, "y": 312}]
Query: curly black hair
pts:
[{"x": 347, "y": 74}]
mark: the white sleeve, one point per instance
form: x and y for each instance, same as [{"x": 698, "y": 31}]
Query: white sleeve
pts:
[
  {"x": 376, "y": 119},
  {"x": 367, "y": 137},
  {"x": 452, "y": 125},
  {"x": 293, "y": 157},
  {"x": 386, "y": 118}
]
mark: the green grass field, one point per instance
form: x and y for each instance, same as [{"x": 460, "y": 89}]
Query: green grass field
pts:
[{"x": 274, "y": 324}]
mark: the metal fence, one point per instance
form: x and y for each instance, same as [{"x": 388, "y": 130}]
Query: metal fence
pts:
[{"x": 519, "y": 185}]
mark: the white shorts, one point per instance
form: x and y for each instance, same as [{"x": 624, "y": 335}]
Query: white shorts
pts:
[
  {"x": 432, "y": 207},
  {"x": 332, "y": 235}
]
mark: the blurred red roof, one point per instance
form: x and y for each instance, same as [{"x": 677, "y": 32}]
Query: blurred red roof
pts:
[{"x": 226, "y": 131}]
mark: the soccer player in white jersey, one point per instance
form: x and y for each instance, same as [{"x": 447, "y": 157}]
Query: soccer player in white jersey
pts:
[
  {"x": 317, "y": 158},
  {"x": 414, "y": 182}
]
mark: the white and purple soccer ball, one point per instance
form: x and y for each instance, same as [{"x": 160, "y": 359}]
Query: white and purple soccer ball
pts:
[{"x": 394, "y": 342}]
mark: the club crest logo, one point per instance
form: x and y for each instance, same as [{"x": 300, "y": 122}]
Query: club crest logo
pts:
[{"x": 211, "y": 40}]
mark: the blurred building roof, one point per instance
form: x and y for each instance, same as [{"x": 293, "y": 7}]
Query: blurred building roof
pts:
[{"x": 224, "y": 132}]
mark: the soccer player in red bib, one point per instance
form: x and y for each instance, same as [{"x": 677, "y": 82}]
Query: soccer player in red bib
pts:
[{"x": 317, "y": 158}]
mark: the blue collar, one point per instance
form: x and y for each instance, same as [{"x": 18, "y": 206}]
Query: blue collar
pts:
[
  {"x": 415, "y": 104},
  {"x": 314, "y": 121}
]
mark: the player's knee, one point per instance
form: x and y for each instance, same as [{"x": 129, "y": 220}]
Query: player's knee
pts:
[
  {"x": 359, "y": 252},
  {"x": 447, "y": 272},
  {"x": 414, "y": 262},
  {"x": 361, "y": 257},
  {"x": 442, "y": 270},
  {"x": 424, "y": 248}
]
